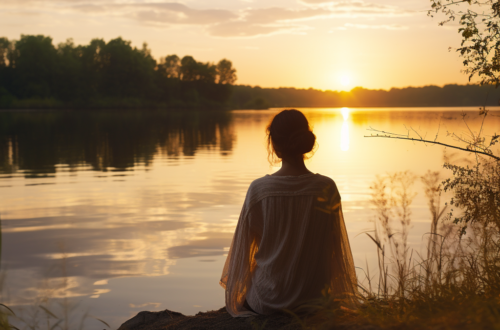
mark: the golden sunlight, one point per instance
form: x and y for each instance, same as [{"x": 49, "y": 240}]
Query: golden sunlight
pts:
[
  {"x": 344, "y": 139},
  {"x": 345, "y": 79},
  {"x": 345, "y": 113},
  {"x": 344, "y": 132}
]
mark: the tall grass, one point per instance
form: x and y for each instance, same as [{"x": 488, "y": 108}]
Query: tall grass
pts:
[{"x": 454, "y": 284}]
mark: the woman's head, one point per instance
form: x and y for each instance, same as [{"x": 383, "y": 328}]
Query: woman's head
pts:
[{"x": 289, "y": 135}]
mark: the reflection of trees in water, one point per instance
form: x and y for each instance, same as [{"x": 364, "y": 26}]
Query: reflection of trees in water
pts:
[{"x": 37, "y": 142}]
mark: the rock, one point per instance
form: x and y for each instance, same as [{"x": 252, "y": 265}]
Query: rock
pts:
[
  {"x": 145, "y": 320},
  {"x": 219, "y": 319}
]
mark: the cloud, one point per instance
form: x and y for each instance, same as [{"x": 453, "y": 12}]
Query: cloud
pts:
[
  {"x": 159, "y": 13},
  {"x": 244, "y": 23},
  {"x": 277, "y": 14},
  {"x": 177, "y": 13},
  {"x": 355, "y": 8},
  {"x": 383, "y": 26},
  {"x": 267, "y": 21},
  {"x": 219, "y": 23},
  {"x": 374, "y": 27},
  {"x": 244, "y": 29}
]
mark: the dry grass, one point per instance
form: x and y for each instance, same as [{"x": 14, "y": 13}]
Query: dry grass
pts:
[{"x": 455, "y": 284}]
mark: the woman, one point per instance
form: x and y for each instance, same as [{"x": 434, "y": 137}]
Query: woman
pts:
[{"x": 290, "y": 243}]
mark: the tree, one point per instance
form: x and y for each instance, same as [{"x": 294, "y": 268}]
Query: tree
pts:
[
  {"x": 480, "y": 28},
  {"x": 102, "y": 74},
  {"x": 5, "y": 71},
  {"x": 126, "y": 71},
  {"x": 206, "y": 72},
  {"x": 69, "y": 71},
  {"x": 191, "y": 70},
  {"x": 188, "y": 70},
  {"x": 476, "y": 189},
  {"x": 225, "y": 72},
  {"x": 4, "y": 51},
  {"x": 170, "y": 66},
  {"x": 35, "y": 61}
]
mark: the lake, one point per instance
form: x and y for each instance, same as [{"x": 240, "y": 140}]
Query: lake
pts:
[{"x": 124, "y": 211}]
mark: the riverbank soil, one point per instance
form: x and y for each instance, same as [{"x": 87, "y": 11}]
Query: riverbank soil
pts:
[{"x": 220, "y": 320}]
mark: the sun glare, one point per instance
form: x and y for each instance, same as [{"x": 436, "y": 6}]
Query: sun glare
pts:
[
  {"x": 345, "y": 80},
  {"x": 344, "y": 132},
  {"x": 345, "y": 113}
]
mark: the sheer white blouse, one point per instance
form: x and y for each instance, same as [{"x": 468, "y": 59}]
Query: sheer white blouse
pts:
[{"x": 289, "y": 245}]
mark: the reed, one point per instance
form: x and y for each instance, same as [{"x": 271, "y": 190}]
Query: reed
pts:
[{"x": 454, "y": 284}]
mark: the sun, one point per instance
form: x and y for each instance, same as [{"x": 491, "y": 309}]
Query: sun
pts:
[{"x": 345, "y": 79}]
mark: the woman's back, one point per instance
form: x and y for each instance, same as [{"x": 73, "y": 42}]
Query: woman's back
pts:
[
  {"x": 290, "y": 242},
  {"x": 289, "y": 245}
]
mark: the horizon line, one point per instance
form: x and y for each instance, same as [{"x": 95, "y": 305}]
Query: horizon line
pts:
[{"x": 361, "y": 87}]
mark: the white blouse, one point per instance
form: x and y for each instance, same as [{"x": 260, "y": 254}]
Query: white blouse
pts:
[{"x": 290, "y": 244}]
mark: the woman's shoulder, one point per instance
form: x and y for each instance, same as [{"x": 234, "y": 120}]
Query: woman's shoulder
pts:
[
  {"x": 288, "y": 184},
  {"x": 291, "y": 178}
]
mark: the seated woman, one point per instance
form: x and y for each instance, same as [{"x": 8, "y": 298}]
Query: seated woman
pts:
[{"x": 290, "y": 244}]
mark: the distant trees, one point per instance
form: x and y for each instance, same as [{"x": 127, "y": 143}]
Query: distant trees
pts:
[
  {"x": 114, "y": 74},
  {"x": 35, "y": 62},
  {"x": 226, "y": 72},
  {"x": 170, "y": 66},
  {"x": 34, "y": 72},
  {"x": 190, "y": 70},
  {"x": 428, "y": 96}
]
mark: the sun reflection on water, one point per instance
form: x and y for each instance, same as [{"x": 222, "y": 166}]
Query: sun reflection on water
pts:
[
  {"x": 344, "y": 132},
  {"x": 345, "y": 113}
]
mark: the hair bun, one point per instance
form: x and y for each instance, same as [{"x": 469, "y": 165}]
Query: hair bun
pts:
[
  {"x": 301, "y": 142},
  {"x": 289, "y": 135}
]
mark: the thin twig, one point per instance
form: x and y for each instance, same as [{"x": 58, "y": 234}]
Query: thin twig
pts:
[
  {"x": 472, "y": 133},
  {"x": 482, "y": 122},
  {"x": 376, "y": 130},
  {"x": 434, "y": 142},
  {"x": 439, "y": 128}
]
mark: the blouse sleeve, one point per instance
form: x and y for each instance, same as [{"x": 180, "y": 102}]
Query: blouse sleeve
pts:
[
  {"x": 240, "y": 263},
  {"x": 343, "y": 283}
]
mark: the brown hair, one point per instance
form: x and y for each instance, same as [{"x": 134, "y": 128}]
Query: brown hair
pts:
[{"x": 289, "y": 134}]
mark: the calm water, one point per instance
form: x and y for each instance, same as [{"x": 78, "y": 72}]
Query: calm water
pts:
[{"x": 130, "y": 211}]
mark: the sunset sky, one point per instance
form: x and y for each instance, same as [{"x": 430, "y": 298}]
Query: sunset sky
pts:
[{"x": 321, "y": 44}]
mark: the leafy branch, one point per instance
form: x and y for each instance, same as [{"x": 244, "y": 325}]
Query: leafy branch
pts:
[{"x": 480, "y": 47}]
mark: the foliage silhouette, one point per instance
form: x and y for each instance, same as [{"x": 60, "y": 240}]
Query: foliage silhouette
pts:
[
  {"x": 480, "y": 30},
  {"x": 35, "y": 73},
  {"x": 244, "y": 97}
]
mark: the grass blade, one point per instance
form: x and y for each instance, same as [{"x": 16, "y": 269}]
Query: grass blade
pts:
[{"x": 10, "y": 310}]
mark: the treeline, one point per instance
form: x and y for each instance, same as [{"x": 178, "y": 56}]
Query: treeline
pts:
[
  {"x": 428, "y": 96},
  {"x": 36, "y": 74}
]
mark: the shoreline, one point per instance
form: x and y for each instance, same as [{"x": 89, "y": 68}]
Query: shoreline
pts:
[
  {"x": 221, "y": 320},
  {"x": 216, "y": 319}
]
